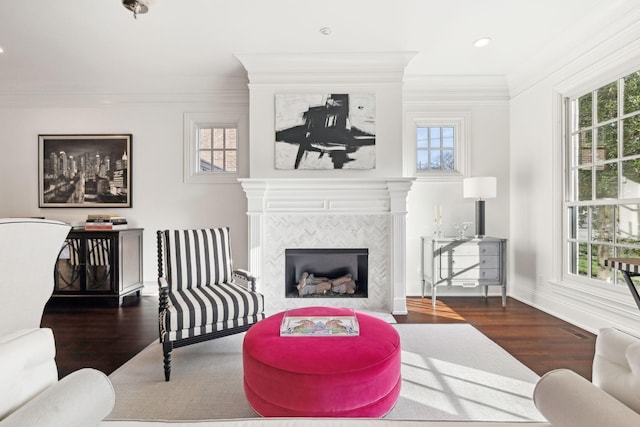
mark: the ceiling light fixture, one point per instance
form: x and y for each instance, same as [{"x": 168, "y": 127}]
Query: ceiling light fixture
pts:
[
  {"x": 1, "y": 49},
  {"x": 482, "y": 42},
  {"x": 138, "y": 7},
  {"x": 325, "y": 31}
]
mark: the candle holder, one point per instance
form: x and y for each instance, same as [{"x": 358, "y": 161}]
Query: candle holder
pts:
[
  {"x": 437, "y": 230},
  {"x": 437, "y": 221}
]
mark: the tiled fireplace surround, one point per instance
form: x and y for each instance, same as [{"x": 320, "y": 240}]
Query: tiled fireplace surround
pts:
[{"x": 329, "y": 213}]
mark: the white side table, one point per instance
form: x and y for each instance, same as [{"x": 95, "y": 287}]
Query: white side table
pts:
[{"x": 469, "y": 263}]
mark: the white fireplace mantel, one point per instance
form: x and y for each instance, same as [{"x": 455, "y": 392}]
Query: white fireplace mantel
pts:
[
  {"x": 317, "y": 195},
  {"x": 312, "y": 212}
]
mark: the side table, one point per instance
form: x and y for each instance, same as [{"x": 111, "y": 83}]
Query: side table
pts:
[
  {"x": 104, "y": 264},
  {"x": 628, "y": 267},
  {"x": 469, "y": 263}
]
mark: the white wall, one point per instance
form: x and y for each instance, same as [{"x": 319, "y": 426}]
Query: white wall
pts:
[
  {"x": 160, "y": 197},
  {"x": 489, "y": 156},
  {"x": 162, "y": 200},
  {"x": 536, "y": 186}
]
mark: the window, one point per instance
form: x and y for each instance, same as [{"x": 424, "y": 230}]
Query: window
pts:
[
  {"x": 435, "y": 148},
  {"x": 212, "y": 147},
  {"x": 436, "y": 145},
  {"x": 602, "y": 201},
  {"x": 217, "y": 149}
]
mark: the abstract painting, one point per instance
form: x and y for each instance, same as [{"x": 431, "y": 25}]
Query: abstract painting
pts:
[{"x": 325, "y": 131}]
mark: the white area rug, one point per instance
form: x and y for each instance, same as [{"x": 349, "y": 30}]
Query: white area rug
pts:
[{"x": 449, "y": 372}]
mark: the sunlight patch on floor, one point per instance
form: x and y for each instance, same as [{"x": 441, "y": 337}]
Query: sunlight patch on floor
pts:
[
  {"x": 424, "y": 306},
  {"x": 465, "y": 391}
]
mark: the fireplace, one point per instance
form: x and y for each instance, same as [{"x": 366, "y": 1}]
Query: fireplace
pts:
[
  {"x": 322, "y": 273},
  {"x": 326, "y": 273},
  {"x": 329, "y": 213}
]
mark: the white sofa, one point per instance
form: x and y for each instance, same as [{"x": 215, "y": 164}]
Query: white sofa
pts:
[
  {"x": 565, "y": 398},
  {"x": 30, "y": 393}
]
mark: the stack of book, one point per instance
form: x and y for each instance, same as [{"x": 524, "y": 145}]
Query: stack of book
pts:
[{"x": 105, "y": 222}]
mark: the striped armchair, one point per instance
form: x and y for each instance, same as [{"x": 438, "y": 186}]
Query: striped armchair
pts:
[{"x": 201, "y": 296}]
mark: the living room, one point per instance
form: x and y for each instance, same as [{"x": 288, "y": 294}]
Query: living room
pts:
[
  {"x": 509, "y": 115},
  {"x": 153, "y": 76}
]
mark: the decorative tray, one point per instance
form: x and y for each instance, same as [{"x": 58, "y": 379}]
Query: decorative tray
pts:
[{"x": 319, "y": 326}]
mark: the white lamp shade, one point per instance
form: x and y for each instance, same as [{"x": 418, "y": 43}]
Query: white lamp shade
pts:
[{"x": 480, "y": 187}]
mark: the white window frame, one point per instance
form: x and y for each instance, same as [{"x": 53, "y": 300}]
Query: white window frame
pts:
[
  {"x": 584, "y": 288},
  {"x": 195, "y": 121},
  {"x": 459, "y": 121}
]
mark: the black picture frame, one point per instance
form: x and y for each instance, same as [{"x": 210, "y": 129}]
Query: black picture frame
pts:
[{"x": 84, "y": 171}]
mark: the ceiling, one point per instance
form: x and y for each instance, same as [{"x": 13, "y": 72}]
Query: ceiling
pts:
[{"x": 98, "y": 46}]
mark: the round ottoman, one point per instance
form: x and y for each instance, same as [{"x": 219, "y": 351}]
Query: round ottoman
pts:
[{"x": 322, "y": 376}]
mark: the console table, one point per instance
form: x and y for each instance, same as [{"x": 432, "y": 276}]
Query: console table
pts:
[
  {"x": 105, "y": 264},
  {"x": 469, "y": 263}
]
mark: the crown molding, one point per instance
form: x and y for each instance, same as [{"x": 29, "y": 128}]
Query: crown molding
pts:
[
  {"x": 345, "y": 67},
  {"x": 72, "y": 94},
  {"x": 597, "y": 36},
  {"x": 455, "y": 88}
]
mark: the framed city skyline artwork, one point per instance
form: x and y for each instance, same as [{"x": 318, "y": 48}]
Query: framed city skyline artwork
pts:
[{"x": 84, "y": 171}]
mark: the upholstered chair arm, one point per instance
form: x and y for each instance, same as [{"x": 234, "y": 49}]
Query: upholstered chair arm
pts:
[
  {"x": 83, "y": 399},
  {"x": 244, "y": 278},
  {"x": 566, "y": 399},
  {"x": 616, "y": 366}
]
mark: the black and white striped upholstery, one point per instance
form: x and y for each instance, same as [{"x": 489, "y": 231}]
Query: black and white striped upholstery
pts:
[
  {"x": 197, "y": 257},
  {"x": 201, "y": 299},
  {"x": 211, "y": 308}
]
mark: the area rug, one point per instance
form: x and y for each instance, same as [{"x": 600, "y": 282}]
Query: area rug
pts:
[{"x": 449, "y": 372}]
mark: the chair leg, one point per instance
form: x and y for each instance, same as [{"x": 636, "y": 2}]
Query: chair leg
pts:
[{"x": 166, "y": 351}]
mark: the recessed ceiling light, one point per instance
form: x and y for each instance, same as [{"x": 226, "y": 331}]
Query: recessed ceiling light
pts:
[
  {"x": 325, "y": 31},
  {"x": 482, "y": 42},
  {"x": 1, "y": 49}
]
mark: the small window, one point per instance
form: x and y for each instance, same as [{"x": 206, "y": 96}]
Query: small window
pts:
[
  {"x": 435, "y": 148},
  {"x": 436, "y": 145},
  {"x": 217, "y": 149},
  {"x": 212, "y": 145}
]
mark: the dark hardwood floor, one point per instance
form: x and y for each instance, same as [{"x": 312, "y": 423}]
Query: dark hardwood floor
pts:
[
  {"x": 540, "y": 341},
  {"x": 104, "y": 337},
  {"x": 99, "y": 335}
]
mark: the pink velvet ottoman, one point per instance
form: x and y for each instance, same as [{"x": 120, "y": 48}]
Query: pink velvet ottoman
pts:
[{"x": 339, "y": 376}]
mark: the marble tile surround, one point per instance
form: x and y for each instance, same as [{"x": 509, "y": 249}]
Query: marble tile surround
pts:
[{"x": 326, "y": 231}]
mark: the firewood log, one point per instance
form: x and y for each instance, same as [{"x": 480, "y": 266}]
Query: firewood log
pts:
[
  {"x": 303, "y": 281},
  {"x": 340, "y": 280},
  {"x": 345, "y": 288},
  {"x": 307, "y": 290}
]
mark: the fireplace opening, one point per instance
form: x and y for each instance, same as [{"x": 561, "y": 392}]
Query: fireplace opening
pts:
[{"x": 326, "y": 273}]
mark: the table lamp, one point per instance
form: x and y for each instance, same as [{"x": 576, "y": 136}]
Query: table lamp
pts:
[{"x": 479, "y": 188}]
